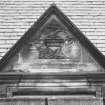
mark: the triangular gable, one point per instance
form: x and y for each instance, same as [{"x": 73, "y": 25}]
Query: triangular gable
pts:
[{"x": 53, "y": 43}]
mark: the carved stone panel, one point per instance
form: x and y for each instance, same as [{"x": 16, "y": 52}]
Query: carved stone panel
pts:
[{"x": 53, "y": 49}]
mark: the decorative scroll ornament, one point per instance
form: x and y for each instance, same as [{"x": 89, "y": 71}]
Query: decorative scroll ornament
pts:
[{"x": 71, "y": 49}]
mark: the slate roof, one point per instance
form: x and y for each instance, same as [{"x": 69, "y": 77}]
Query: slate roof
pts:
[
  {"x": 53, "y": 9},
  {"x": 16, "y": 16}
]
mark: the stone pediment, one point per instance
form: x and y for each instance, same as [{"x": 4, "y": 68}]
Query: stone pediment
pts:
[{"x": 53, "y": 44}]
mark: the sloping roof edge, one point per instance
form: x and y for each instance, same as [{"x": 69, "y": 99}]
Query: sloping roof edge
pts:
[{"x": 53, "y": 9}]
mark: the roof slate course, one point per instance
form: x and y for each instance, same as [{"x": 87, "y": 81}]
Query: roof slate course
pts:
[{"x": 16, "y": 16}]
